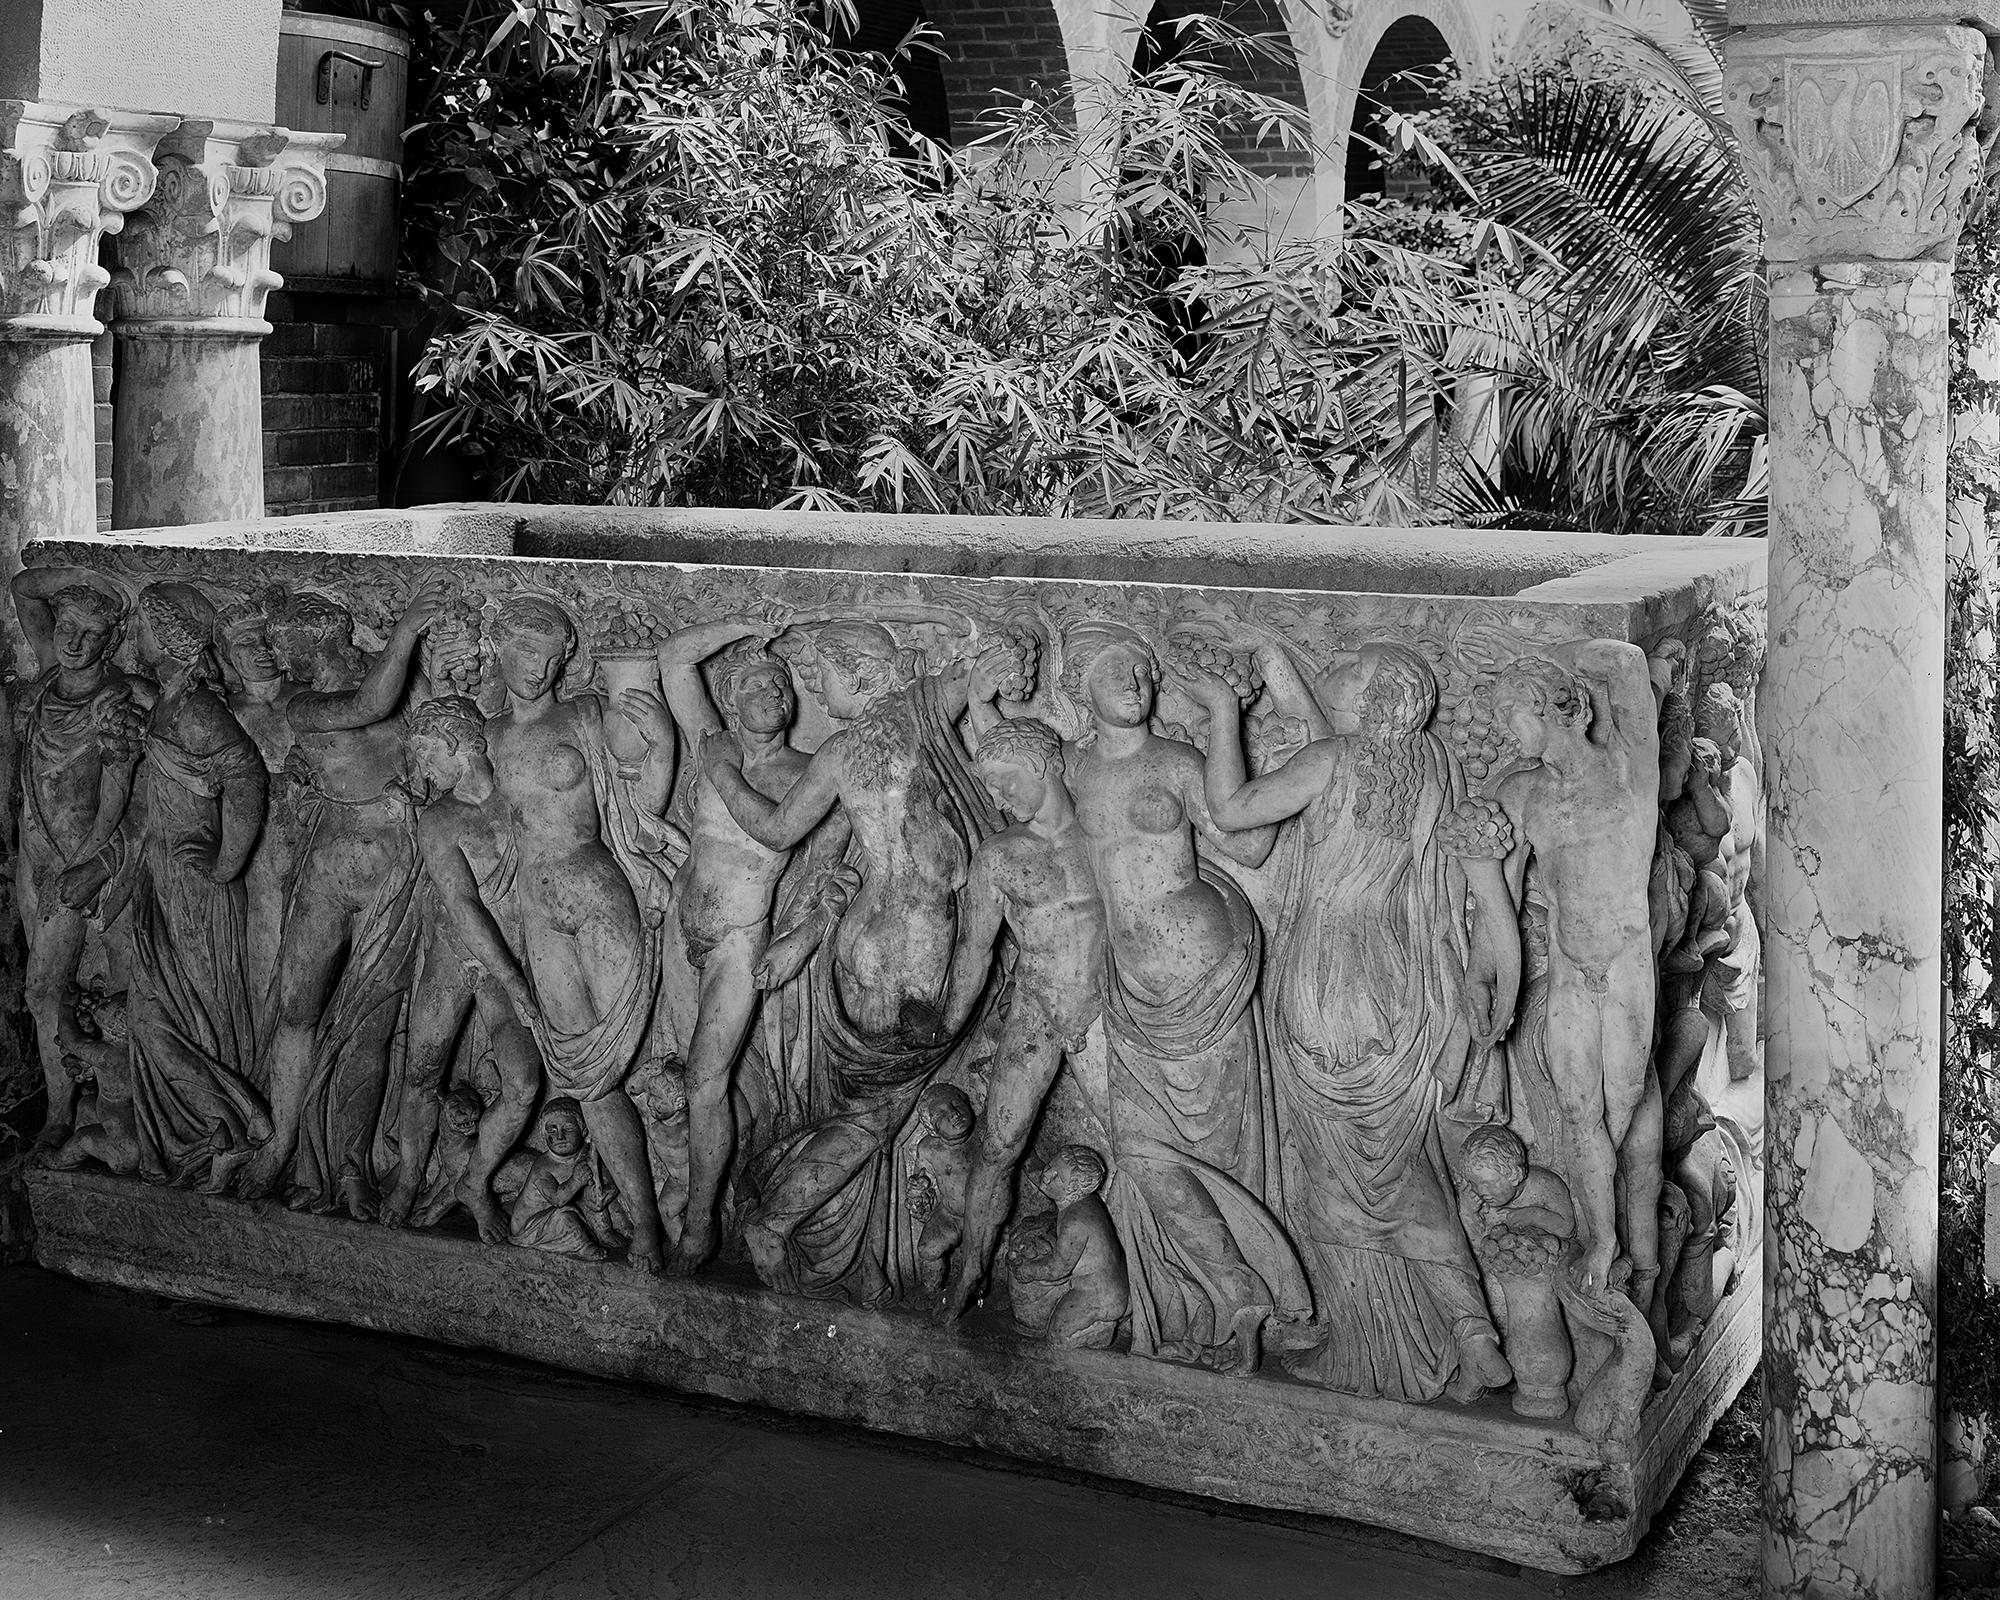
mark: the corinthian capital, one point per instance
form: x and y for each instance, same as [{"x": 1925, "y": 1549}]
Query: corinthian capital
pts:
[
  {"x": 68, "y": 176},
  {"x": 197, "y": 256},
  {"x": 1860, "y": 142}
]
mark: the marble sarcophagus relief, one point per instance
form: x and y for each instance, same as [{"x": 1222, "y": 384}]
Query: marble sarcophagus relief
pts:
[{"x": 1276, "y": 1018}]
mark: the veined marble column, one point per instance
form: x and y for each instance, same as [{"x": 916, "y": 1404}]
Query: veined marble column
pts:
[
  {"x": 1860, "y": 146},
  {"x": 194, "y": 273},
  {"x": 68, "y": 176}
]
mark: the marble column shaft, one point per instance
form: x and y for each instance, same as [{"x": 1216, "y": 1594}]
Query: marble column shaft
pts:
[
  {"x": 194, "y": 274},
  {"x": 1852, "y": 714},
  {"x": 1860, "y": 146}
]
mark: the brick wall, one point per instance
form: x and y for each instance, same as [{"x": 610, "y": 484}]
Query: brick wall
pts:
[
  {"x": 1275, "y": 74},
  {"x": 324, "y": 366},
  {"x": 100, "y": 390},
  {"x": 1008, "y": 45}
]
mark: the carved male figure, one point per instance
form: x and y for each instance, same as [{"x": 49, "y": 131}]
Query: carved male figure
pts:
[
  {"x": 468, "y": 964},
  {"x": 724, "y": 893},
  {"x": 78, "y": 751},
  {"x": 1583, "y": 810},
  {"x": 98, "y": 1051},
  {"x": 589, "y": 951},
  {"x": 1076, "y": 1291},
  {"x": 457, "y": 1146},
  {"x": 1034, "y": 878},
  {"x": 350, "y": 930}
]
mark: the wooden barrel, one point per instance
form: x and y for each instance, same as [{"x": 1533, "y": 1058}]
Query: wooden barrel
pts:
[{"x": 337, "y": 76}]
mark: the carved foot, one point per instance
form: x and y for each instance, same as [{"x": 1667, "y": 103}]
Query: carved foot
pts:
[
  {"x": 695, "y": 1250},
  {"x": 1239, "y": 1355},
  {"x": 397, "y": 1205},
  {"x": 66, "y": 1157},
  {"x": 957, "y": 1298},
  {"x": 260, "y": 1178},
  {"x": 766, "y": 1249},
  {"x": 358, "y": 1196},
  {"x": 493, "y": 1225},
  {"x": 1481, "y": 1366},
  {"x": 649, "y": 1259},
  {"x": 56, "y": 1132},
  {"x": 223, "y": 1169}
]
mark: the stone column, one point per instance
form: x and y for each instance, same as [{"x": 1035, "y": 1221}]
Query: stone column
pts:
[
  {"x": 67, "y": 177},
  {"x": 194, "y": 272},
  {"x": 1860, "y": 145}
]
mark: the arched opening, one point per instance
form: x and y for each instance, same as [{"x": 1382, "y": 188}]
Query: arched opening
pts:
[
  {"x": 1009, "y": 48},
  {"x": 1392, "y": 80},
  {"x": 881, "y": 26}
]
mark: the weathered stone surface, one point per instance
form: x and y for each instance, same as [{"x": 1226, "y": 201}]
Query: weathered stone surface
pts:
[
  {"x": 1481, "y": 1478},
  {"x": 1330, "y": 992}
]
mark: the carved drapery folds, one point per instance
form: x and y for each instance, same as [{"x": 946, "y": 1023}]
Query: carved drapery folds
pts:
[
  {"x": 197, "y": 256},
  {"x": 1206, "y": 978},
  {"x": 68, "y": 176},
  {"x": 1860, "y": 143}
]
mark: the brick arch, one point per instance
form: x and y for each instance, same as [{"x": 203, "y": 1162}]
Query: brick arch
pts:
[
  {"x": 1012, "y": 47},
  {"x": 1349, "y": 60}
]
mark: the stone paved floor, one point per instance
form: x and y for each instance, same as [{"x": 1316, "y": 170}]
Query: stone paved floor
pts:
[{"x": 148, "y": 1452}]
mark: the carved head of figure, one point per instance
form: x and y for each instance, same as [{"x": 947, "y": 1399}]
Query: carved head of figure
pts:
[
  {"x": 848, "y": 664},
  {"x": 1018, "y": 758},
  {"x": 176, "y": 624},
  {"x": 1111, "y": 672},
  {"x": 1494, "y": 1164},
  {"x": 445, "y": 735},
  {"x": 1719, "y": 718},
  {"x": 313, "y": 634},
  {"x": 1536, "y": 701},
  {"x": 533, "y": 641},
  {"x": 1072, "y": 1172},
  {"x": 946, "y": 1112},
  {"x": 249, "y": 653},
  {"x": 462, "y": 1110},
  {"x": 753, "y": 688},
  {"x": 89, "y": 622},
  {"x": 562, "y": 1127},
  {"x": 656, "y": 1086}
]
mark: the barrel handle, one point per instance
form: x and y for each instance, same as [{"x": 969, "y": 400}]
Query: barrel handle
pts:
[{"x": 323, "y": 76}]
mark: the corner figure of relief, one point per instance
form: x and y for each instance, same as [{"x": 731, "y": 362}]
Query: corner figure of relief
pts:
[
  {"x": 78, "y": 751},
  {"x": 345, "y": 958},
  {"x": 1194, "y": 1162},
  {"x": 589, "y": 948},
  {"x": 178, "y": 875},
  {"x": 1583, "y": 811},
  {"x": 874, "y": 1033},
  {"x": 1386, "y": 1000}
]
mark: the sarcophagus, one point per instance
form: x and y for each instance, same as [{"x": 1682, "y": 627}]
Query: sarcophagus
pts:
[{"x": 1262, "y": 1012}]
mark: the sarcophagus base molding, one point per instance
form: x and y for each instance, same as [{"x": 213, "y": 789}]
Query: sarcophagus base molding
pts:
[{"x": 1477, "y": 1477}]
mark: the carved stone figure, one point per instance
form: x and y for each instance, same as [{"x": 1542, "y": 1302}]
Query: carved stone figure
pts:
[
  {"x": 258, "y": 686},
  {"x": 1521, "y": 1221},
  {"x": 897, "y": 769},
  {"x": 1068, "y": 1281},
  {"x": 940, "y": 1164},
  {"x": 1738, "y": 790},
  {"x": 97, "y": 1051},
  {"x": 658, "y": 1087},
  {"x": 78, "y": 751},
  {"x": 451, "y": 1160},
  {"x": 350, "y": 933},
  {"x": 562, "y": 1208},
  {"x": 720, "y": 959},
  {"x": 589, "y": 953},
  {"x": 1582, "y": 809},
  {"x": 1035, "y": 879},
  {"x": 468, "y": 963},
  {"x": 1384, "y": 1000},
  {"x": 1193, "y": 1159},
  {"x": 178, "y": 876}
]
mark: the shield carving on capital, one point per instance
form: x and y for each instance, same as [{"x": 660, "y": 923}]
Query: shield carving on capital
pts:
[{"x": 1844, "y": 122}]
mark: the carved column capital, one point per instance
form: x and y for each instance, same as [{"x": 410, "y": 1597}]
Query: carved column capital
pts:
[
  {"x": 196, "y": 258},
  {"x": 68, "y": 176},
  {"x": 1861, "y": 143}
]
